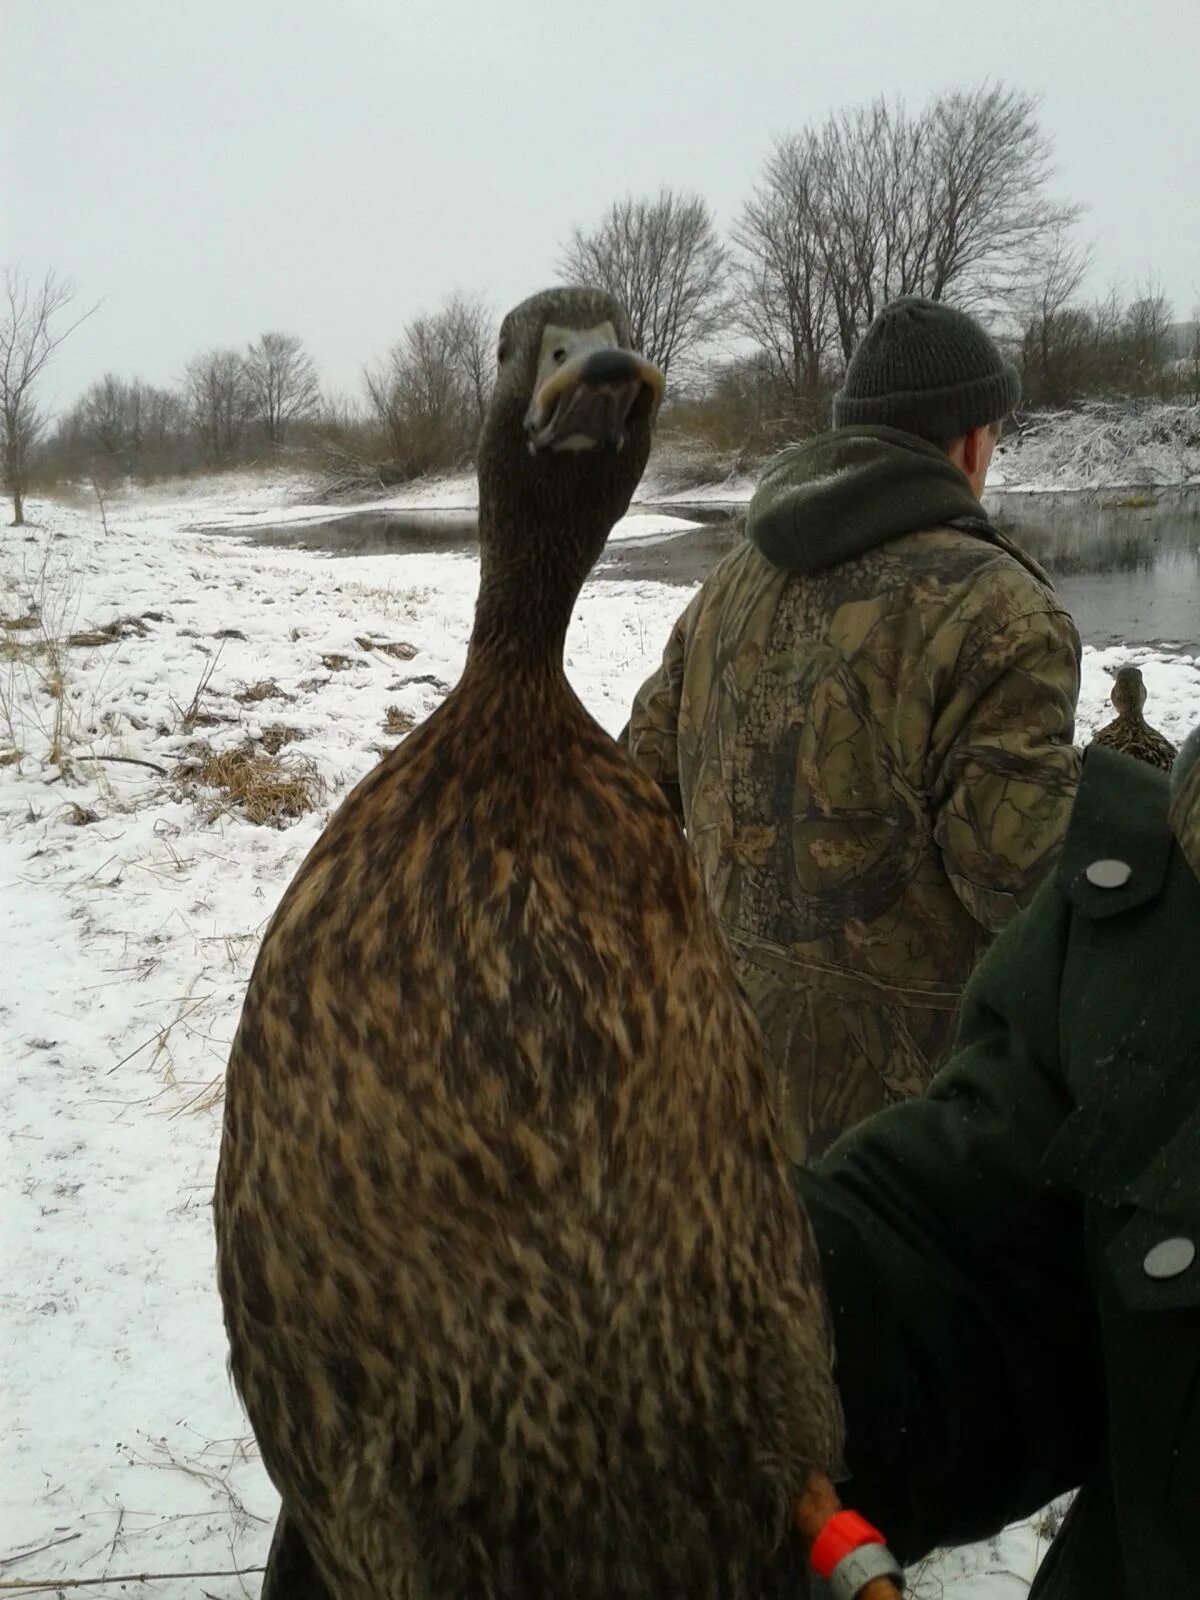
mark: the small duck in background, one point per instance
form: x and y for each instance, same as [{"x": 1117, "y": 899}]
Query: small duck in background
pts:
[{"x": 1129, "y": 731}]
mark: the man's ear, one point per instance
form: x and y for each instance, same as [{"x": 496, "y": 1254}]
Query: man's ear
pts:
[{"x": 972, "y": 448}]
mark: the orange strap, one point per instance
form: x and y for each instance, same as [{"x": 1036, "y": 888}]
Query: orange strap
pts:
[
  {"x": 844, "y": 1533},
  {"x": 834, "y": 1537}
]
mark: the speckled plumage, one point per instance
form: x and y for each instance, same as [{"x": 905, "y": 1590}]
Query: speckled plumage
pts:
[
  {"x": 1129, "y": 731},
  {"x": 519, "y": 1295}
]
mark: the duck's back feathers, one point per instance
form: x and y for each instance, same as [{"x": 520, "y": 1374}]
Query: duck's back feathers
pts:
[{"x": 1133, "y": 736}]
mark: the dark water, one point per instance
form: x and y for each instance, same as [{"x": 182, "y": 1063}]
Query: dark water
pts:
[
  {"x": 1128, "y": 573},
  {"x": 370, "y": 533}
]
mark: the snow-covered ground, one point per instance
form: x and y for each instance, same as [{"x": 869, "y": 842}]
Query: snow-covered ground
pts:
[
  {"x": 1103, "y": 445},
  {"x": 131, "y": 912}
]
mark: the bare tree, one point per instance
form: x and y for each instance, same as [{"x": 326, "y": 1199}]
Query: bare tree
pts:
[
  {"x": 664, "y": 261},
  {"x": 988, "y": 173},
  {"x": 1056, "y": 333},
  {"x": 282, "y": 383},
  {"x": 1146, "y": 340},
  {"x": 430, "y": 393},
  {"x": 471, "y": 330},
  {"x": 784, "y": 301},
  {"x": 739, "y": 411},
  {"x": 108, "y": 417},
  {"x": 162, "y": 440},
  {"x": 950, "y": 203},
  {"x": 119, "y": 426},
  {"x": 218, "y": 396},
  {"x": 874, "y": 213},
  {"x": 1189, "y": 363},
  {"x": 421, "y": 400},
  {"x": 33, "y": 323}
]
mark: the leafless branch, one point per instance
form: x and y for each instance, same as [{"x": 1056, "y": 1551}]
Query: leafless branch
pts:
[
  {"x": 282, "y": 383},
  {"x": 34, "y": 322},
  {"x": 950, "y": 203},
  {"x": 663, "y": 259}
]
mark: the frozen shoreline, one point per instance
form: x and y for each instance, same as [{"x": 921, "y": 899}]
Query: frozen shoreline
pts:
[
  {"x": 458, "y": 496},
  {"x": 1111, "y": 452}
]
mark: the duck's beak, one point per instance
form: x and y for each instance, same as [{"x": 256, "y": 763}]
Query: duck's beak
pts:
[{"x": 591, "y": 401}]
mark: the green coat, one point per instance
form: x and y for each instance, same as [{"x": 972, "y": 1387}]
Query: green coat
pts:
[
  {"x": 1012, "y": 1260},
  {"x": 865, "y": 718}
]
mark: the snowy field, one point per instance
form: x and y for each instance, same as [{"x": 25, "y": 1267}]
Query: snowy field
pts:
[{"x": 131, "y": 911}]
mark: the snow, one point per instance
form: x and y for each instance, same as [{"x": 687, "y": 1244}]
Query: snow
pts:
[
  {"x": 130, "y": 917},
  {"x": 735, "y": 490},
  {"x": 1103, "y": 445},
  {"x": 1100, "y": 447},
  {"x": 456, "y": 493},
  {"x": 453, "y": 498}
]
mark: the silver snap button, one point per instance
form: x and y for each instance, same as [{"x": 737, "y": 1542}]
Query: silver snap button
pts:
[
  {"x": 1169, "y": 1258},
  {"x": 1108, "y": 874}
]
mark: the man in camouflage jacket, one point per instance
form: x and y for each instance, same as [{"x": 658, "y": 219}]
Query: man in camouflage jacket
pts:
[{"x": 865, "y": 721}]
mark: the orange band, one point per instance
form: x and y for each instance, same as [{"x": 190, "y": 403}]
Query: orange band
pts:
[{"x": 844, "y": 1533}]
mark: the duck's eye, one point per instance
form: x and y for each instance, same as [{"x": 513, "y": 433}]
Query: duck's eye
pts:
[{"x": 560, "y": 355}]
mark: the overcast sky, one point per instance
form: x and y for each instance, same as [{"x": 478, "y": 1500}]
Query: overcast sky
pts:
[{"x": 209, "y": 169}]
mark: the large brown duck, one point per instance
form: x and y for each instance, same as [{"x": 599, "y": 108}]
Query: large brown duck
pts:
[
  {"x": 1129, "y": 731},
  {"x": 519, "y": 1296}
]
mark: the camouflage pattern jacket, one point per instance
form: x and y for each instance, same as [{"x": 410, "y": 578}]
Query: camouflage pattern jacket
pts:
[{"x": 865, "y": 721}]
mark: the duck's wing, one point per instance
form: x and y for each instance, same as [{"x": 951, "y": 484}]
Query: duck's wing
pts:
[{"x": 1157, "y": 749}]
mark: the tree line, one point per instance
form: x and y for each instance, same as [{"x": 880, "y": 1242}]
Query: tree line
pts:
[{"x": 753, "y": 327}]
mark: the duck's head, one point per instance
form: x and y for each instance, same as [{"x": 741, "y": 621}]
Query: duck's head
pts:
[
  {"x": 568, "y": 385},
  {"x": 1128, "y": 691},
  {"x": 564, "y": 443}
]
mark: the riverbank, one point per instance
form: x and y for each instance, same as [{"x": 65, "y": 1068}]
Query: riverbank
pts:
[
  {"x": 1116, "y": 452},
  {"x": 1124, "y": 563},
  {"x": 1102, "y": 447}
]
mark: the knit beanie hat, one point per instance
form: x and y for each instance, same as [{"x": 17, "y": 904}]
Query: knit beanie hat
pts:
[{"x": 926, "y": 368}]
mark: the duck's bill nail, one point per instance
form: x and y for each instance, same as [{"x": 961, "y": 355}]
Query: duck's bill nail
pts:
[{"x": 590, "y": 402}]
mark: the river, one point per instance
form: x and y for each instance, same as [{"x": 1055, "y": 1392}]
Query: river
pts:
[{"x": 1127, "y": 566}]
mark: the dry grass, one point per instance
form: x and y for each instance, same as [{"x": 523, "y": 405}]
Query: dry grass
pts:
[
  {"x": 409, "y": 604},
  {"x": 33, "y": 654},
  {"x": 397, "y": 721},
  {"x": 110, "y": 633},
  {"x": 267, "y": 689},
  {"x": 397, "y": 649},
  {"x": 277, "y": 735},
  {"x": 202, "y": 719},
  {"x": 257, "y": 784},
  {"x": 193, "y": 715},
  {"x": 335, "y": 662}
]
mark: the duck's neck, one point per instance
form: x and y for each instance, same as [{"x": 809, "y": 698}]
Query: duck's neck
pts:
[{"x": 530, "y": 578}]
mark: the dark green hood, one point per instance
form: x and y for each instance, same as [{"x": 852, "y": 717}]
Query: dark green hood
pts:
[{"x": 836, "y": 496}]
